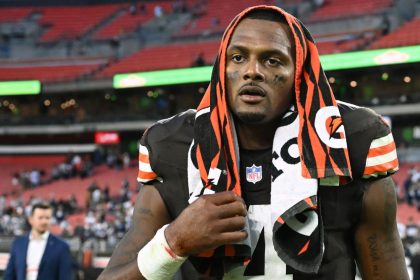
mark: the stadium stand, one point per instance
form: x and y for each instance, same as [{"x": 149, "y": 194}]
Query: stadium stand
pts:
[
  {"x": 406, "y": 35},
  {"x": 328, "y": 47},
  {"x": 50, "y": 70},
  {"x": 14, "y": 14},
  {"x": 215, "y": 16},
  {"x": 72, "y": 22},
  {"x": 12, "y": 165},
  {"x": 63, "y": 189},
  {"x": 338, "y": 9},
  {"x": 176, "y": 56},
  {"x": 129, "y": 21}
]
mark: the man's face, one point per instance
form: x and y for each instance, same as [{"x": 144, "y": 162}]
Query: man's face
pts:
[
  {"x": 260, "y": 71},
  {"x": 40, "y": 220}
]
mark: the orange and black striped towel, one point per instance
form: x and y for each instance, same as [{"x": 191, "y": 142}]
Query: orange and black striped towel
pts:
[{"x": 320, "y": 137}]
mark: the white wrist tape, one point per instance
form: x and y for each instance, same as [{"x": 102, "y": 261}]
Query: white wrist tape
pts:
[{"x": 156, "y": 260}]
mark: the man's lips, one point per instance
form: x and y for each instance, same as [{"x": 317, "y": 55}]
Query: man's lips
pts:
[{"x": 251, "y": 94}]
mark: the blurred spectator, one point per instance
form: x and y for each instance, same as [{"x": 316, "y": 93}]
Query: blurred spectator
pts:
[
  {"x": 158, "y": 12},
  {"x": 15, "y": 180},
  {"x": 412, "y": 230},
  {"x": 215, "y": 21},
  {"x": 179, "y": 6},
  {"x": 143, "y": 8},
  {"x": 133, "y": 8},
  {"x": 199, "y": 60},
  {"x": 2, "y": 204},
  {"x": 35, "y": 178},
  {"x": 126, "y": 160},
  {"x": 106, "y": 194}
]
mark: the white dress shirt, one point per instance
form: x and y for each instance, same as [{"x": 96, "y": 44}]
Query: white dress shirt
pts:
[{"x": 36, "y": 250}]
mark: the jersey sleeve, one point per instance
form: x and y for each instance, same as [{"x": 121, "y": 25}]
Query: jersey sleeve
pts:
[
  {"x": 145, "y": 173},
  {"x": 371, "y": 146},
  {"x": 381, "y": 160},
  {"x": 163, "y": 157}
]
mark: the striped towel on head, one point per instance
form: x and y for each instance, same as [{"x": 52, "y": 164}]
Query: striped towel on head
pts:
[{"x": 214, "y": 155}]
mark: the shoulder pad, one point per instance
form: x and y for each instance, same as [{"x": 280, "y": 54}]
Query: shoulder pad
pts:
[
  {"x": 371, "y": 146},
  {"x": 163, "y": 143}
]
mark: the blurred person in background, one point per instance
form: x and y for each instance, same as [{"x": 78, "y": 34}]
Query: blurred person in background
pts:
[
  {"x": 270, "y": 178},
  {"x": 39, "y": 255}
]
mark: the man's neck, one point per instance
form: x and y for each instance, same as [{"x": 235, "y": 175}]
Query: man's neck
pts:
[
  {"x": 36, "y": 234},
  {"x": 256, "y": 137}
]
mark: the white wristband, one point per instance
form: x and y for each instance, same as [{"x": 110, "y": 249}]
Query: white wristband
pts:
[{"x": 156, "y": 260}]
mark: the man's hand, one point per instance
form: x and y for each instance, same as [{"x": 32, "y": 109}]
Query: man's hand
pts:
[{"x": 211, "y": 221}]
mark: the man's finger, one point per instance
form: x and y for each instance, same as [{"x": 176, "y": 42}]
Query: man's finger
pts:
[
  {"x": 232, "y": 237},
  {"x": 235, "y": 208},
  {"x": 222, "y": 198},
  {"x": 231, "y": 224}
]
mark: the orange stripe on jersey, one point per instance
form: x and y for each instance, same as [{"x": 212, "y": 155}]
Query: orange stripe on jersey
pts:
[
  {"x": 144, "y": 158},
  {"x": 379, "y": 151},
  {"x": 309, "y": 202},
  {"x": 146, "y": 175},
  {"x": 230, "y": 251},
  {"x": 304, "y": 248},
  {"x": 206, "y": 254},
  {"x": 381, "y": 168}
]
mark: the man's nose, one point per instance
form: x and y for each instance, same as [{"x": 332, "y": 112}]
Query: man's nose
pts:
[{"x": 253, "y": 71}]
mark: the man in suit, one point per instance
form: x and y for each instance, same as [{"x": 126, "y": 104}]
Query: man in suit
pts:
[{"x": 39, "y": 255}]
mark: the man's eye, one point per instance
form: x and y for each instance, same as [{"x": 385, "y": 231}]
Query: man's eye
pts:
[
  {"x": 273, "y": 61},
  {"x": 237, "y": 58}
]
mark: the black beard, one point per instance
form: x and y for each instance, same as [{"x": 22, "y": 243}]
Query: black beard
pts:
[{"x": 250, "y": 118}]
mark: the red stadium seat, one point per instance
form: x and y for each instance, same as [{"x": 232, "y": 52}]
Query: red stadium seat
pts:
[
  {"x": 14, "y": 164},
  {"x": 217, "y": 15},
  {"x": 128, "y": 23},
  {"x": 72, "y": 22},
  {"x": 163, "y": 57},
  {"x": 406, "y": 35},
  {"x": 335, "y": 9},
  {"x": 14, "y": 14}
]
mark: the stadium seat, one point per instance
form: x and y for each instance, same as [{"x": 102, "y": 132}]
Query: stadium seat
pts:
[
  {"x": 406, "y": 35},
  {"x": 216, "y": 16},
  {"x": 15, "y": 164},
  {"x": 335, "y": 9},
  {"x": 164, "y": 57},
  {"x": 72, "y": 22},
  {"x": 50, "y": 69},
  {"x": 127, "y": 22},
  {"x": 14, "y": 14}
]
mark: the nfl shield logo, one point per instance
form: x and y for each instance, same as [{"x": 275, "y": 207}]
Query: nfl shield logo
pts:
[{"x": 254, "y": 174}]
